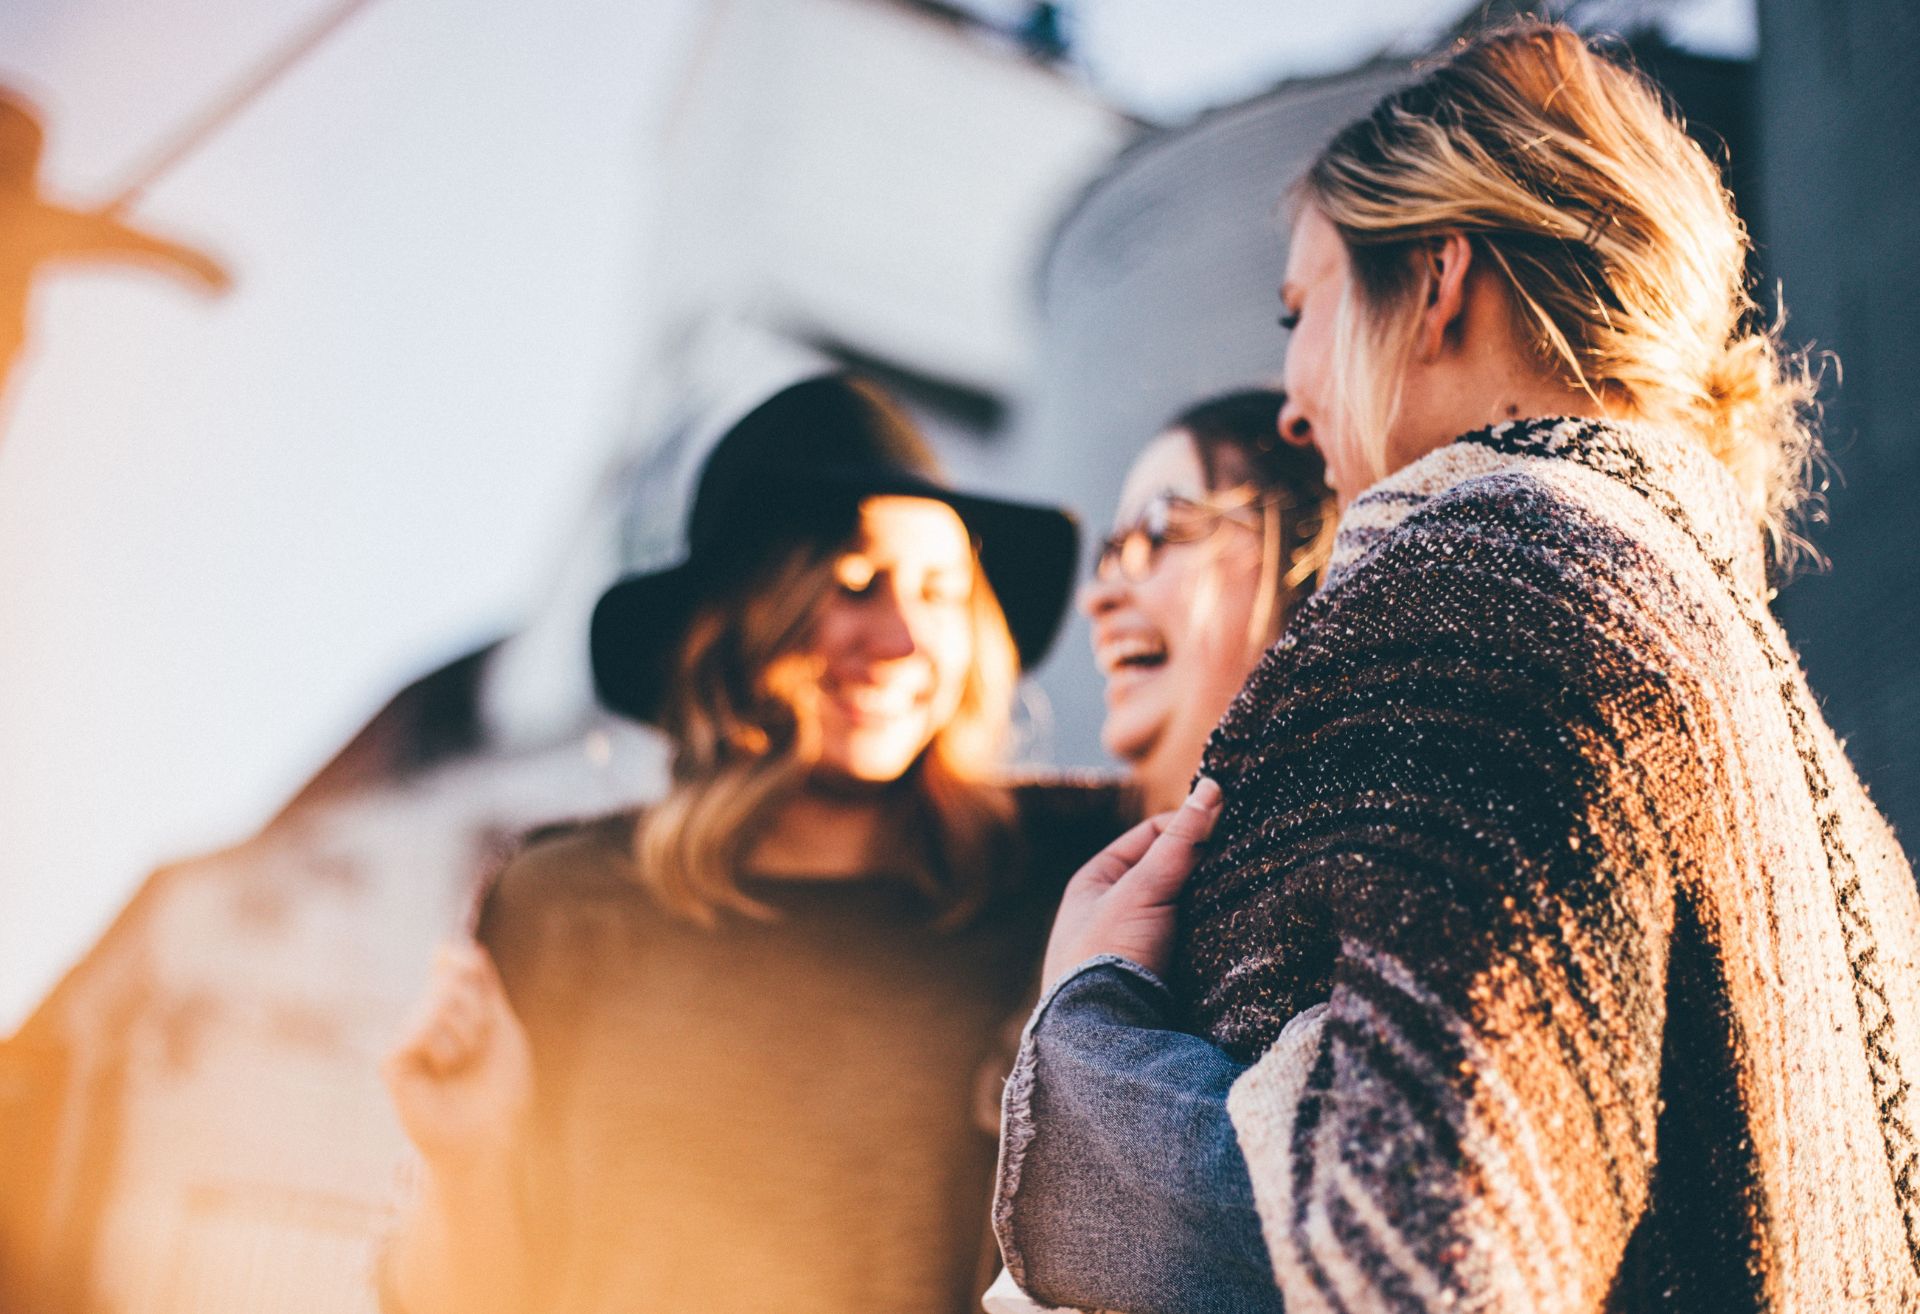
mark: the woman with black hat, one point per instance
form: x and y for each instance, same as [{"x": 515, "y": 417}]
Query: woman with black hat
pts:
[{"x": 727, "y": 1055}]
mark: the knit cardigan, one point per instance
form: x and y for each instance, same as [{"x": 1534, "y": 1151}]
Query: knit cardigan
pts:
[{"x": 1575, "y": 968}]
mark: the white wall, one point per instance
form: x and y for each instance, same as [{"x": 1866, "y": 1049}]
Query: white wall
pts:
[
  {"x": 875, "y": 176},
  {"x": 228, "y": 530}
]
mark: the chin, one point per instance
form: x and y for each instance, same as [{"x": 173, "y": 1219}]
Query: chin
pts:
[
  {"x": 874, "y": 763},
  {"x": 1131, "y": 737}
]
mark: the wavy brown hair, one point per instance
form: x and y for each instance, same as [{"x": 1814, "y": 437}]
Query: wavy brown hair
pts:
[
  {"x": 1622, "y": 254},
  {"x": 745, "y": 739}
]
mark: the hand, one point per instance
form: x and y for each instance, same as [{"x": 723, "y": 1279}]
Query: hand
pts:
[
  {"x": 461, "y": 1076},
  {"x": 1122, "y": 902}
]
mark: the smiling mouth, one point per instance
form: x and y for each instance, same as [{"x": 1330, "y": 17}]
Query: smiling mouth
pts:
[
  {"x": 878, "y": 704},
  {"x": 1132, "y": 654}
]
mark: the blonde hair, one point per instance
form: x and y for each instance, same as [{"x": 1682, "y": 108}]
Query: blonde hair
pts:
[
  {"x": 745, "y": 738},
  {"x": 1619, "y": 245}
]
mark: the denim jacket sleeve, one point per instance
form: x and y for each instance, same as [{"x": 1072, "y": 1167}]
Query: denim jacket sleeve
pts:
[{"x": 1122, "y": 1185}]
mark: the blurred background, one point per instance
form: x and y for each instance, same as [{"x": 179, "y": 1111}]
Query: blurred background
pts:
[{"x": 293, "y": 579}]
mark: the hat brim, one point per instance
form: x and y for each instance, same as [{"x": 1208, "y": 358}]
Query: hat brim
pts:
[
  {"x": 1028, "y": 554},
  {"x": 638, "y": 625}
]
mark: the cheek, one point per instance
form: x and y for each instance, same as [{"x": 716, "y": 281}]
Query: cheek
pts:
[
  {"x": 830, "y": 634},
  {"x": 1166, "y": 599},
  {"x": 1219, "y": 634},
  {"x": 1305, "y": 373},
  {"x": 948, "y": 643},
  {"x": 1204, "y": 605}
]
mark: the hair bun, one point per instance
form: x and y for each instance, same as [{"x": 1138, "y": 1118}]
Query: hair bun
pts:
[{"x": 1759, "y": 407}]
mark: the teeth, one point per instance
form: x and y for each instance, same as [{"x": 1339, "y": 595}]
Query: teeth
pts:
[
  {"x": 880, "y": 702},
  {"x": 1131, "y": 650}
]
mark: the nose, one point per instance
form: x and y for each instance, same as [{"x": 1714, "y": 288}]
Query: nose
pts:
[
  {"x": 1102, "y": 593},
  {"x": 887, "y": 634},
  {"x": 1295, "y": 428}
]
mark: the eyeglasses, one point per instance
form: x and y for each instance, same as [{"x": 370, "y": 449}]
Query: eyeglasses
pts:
[{"x": 1169, "y": 518}]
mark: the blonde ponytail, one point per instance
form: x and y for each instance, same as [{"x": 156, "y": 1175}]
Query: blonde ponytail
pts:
[{"x": 1761, "y": 408}]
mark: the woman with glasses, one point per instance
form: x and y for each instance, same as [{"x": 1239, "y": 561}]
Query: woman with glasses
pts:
[{"x": 1221, "y": 530}]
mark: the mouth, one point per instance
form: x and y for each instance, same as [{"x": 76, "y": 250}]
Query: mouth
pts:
[
  {"x": 1130, "y": 653},
  {"x": 864, "y": 704}
]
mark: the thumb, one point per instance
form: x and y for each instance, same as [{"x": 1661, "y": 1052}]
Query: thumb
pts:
[{"x": 1173, "y": 855}]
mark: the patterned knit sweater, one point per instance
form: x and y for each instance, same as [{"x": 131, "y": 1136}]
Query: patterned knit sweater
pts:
[{"x": 1579, "y": 968}]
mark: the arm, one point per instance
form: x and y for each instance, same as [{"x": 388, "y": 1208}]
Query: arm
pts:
[
  {"x": 61, "y": 234},
  {"x": 461, "y": 1079},
  {"x": 1121, "y": 1185},
  {"x": 476, "y": 1080},
  {"x": 1436, "y": 919}
]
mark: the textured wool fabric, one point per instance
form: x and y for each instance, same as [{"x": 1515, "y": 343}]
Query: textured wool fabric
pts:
[{"x": 1618, "y": 960}]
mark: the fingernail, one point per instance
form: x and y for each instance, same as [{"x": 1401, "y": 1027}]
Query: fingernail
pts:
[{"x": 1205, "y": 795}]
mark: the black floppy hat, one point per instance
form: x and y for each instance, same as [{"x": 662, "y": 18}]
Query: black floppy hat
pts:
[{"x": 795, "y": 470}]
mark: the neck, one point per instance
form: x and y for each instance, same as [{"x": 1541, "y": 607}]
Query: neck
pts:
[
  {"x": 1538, "y": 400},
  {"x": 1481, "y": 403},
  {"x": 824, "y": 833},
  {"x": 1163, "y": 777},
  {"x": 1160, "y": 790},
  {"x": 1478, "y": 374}
]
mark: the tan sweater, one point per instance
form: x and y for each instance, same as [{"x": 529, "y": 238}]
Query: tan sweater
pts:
[{"x": 768, "y": 1117}]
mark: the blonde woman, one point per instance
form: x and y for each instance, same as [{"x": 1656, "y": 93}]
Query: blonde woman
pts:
[
  {"x": 1544, "y": 952},
  {"x": 725, "y": 1055}
]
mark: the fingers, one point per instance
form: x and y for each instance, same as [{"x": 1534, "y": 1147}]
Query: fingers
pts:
[
  {"x": 1193, "y": 821},
  {"x": 1123, "y": 901},
  {"x": 1119, "y": 857},
  {"x": 457, "y": 1018},
  {"x": 1175, "y": 851},
  {"x": 1166, "y": 845}
]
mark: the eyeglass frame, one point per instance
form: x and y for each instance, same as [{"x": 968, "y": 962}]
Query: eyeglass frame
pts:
[{"x": 1214, "y": 510}]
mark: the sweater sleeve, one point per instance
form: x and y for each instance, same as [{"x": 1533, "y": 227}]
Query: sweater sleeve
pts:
[{"x": 1454, "y": 793}]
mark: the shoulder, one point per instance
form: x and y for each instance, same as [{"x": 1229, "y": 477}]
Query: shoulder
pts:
[
  {"x": 576, "y": 859},
  {"x": 558, "y": 882},
  {"x": 1505, "y": 595},
  {"x": 1541, "y": 508},
  {"x": 1574, "y": 502},
  {"x": 1507, "y": 557}
]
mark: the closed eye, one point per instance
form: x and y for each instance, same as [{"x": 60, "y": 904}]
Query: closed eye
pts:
[{"x": 855, "y": 575}]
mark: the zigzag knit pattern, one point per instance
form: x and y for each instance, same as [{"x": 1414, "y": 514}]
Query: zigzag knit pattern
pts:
[{"x": 1618, "y": 959}]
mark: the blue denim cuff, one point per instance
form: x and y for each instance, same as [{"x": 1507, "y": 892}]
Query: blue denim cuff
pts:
[
  {"x": 1121, "y": 1181},
  {"x": 1093, "y": 979}
]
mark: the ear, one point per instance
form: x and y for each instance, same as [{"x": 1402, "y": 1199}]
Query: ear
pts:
[{"x": 1448, "y": 258}]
